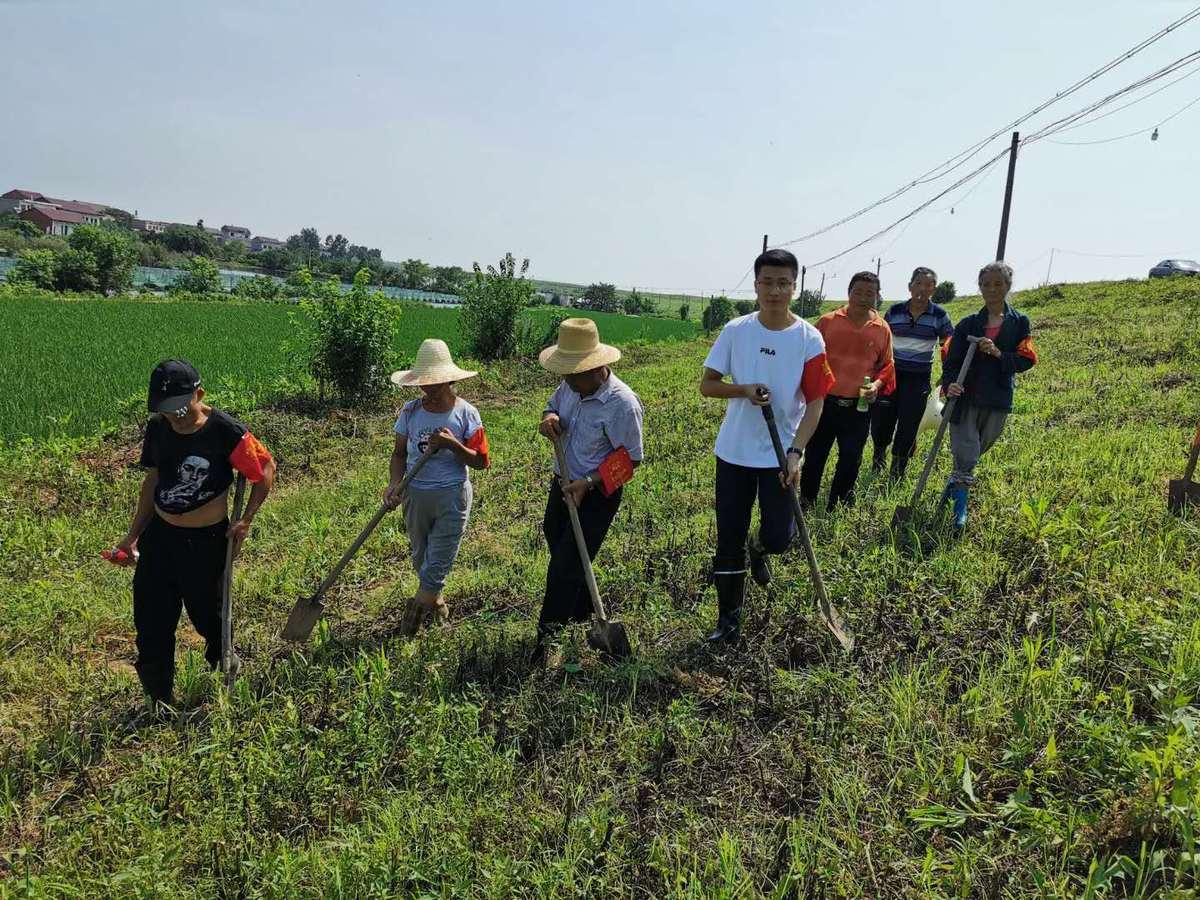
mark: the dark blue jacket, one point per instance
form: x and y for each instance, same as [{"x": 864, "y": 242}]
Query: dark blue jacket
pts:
[{"x": 990, "y": 381}]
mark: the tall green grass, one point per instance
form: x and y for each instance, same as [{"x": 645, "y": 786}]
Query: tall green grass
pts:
[{"x": 1018, "y": 718}]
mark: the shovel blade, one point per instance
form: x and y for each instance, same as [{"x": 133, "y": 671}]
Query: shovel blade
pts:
[
  {"x": 303, "y": 619},
  {"x": 833, "y": 621},
  {"x": 611, "y": 639},
  {"x": 1181, "y": 493}
]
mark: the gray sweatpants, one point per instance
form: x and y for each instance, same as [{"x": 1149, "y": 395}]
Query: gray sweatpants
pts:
[
  {"x": 436, "y": 519},
  {"x": 971, "y": 437}
]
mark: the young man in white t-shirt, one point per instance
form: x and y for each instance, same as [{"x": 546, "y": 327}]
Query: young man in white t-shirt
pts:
[{"x": 771, "y": 356}]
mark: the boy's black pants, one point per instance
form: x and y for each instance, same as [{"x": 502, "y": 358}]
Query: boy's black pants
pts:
[
  {"x": 850, "y": 429},
  {"x": 737, "y": 487},
  {"x": 567, "y": 598},
  {"x": 177, "y": 567},
  {"x": 899, "y": 414}
]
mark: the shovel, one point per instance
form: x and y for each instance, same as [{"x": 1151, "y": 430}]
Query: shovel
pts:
[
  {"x": 904, "y": 513},
  {"x": 307, "y": 611},
  {"x": 227, "y": 591},
  {"x": 1182, "y": 491},
  {"x": 828, "y": 612},
  {"x": 607, "y": 637}
]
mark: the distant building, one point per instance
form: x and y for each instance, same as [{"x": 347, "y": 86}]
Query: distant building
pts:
[
  {"x": 18, "y": 200},
  {"x": 52, "y": 220},
  {"x": 149, "y": 226},
  {"x": 234, "y": 233},
  {"x": 260, "y": 243}
]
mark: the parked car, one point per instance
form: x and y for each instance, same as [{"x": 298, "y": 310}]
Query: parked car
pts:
[{"x": 1170, "y": 267}]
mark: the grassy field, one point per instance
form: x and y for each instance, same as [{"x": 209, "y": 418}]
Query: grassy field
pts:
[
  {"x": 1017, "y": 719},
  {"x": 69, "y": 367}
]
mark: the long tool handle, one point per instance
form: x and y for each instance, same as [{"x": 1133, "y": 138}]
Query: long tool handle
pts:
[
  {"x": 947, "y": 411},
  {"x": 584, "y": 558},
  {"x": 227, "y": 588},
  {"x": 828, "y": 611},
  {"x": 1195, "y": 454},
  {"x": 366, "y": 532}
]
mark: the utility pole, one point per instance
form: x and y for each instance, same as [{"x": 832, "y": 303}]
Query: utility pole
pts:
[
  {"x": 878, "y": 265},
  {"x": 1049, "y": 264},
  {"x": 821, "y": 289},
  {"x": 1008, "y": 189},
  {"x": 803, "y": 270},
  {"x": 764, "y": 249}
]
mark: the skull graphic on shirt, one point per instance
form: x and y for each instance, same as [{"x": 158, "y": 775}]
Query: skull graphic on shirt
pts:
[{"x": 191, "y": 475}]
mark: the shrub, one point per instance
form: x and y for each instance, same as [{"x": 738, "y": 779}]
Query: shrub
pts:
[
  {"x": 685, "y": 311},
  {"x": 491, "y": 304},
  {"x": 260, "y": 287},
  {"x": 200, "y": 276},
  {"x": 717, "y": 313},
  {"x": 114, "y": 252},
  {"x": 601, "y": 297},
  {"x": 35, "y": 267},
  {"x": 944, "y": 292},
  {"x": 745, "y": 307},
  {"x": 807, "y": 304},
  {"x": 76, "y": 270},
  {"x": 538, "y": 331},
  {"x": 350, "y": 339}
]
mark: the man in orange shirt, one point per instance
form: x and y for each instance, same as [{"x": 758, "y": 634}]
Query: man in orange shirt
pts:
[{"x": 858, "y": 345}]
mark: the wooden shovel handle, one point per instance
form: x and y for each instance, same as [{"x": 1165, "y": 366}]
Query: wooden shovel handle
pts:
[
  {"x": 227, "y": 585},
  {"x": 366, "y": 532},
  {"x": 584, "y": 559},
  {"x": 1193, "y": 456}
]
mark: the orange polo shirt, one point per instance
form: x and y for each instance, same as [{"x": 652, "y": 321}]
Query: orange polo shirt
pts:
[{"x": 857, "y": 351}]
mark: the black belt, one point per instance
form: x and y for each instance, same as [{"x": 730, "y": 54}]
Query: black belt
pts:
[{"x": 843, "y": 401}]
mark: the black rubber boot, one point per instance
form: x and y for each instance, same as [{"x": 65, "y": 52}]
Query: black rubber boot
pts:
[
  {"x": 879, "y": 461},
  {"x": 731, "y": 589},
  {"x": 760, "y": 570}
]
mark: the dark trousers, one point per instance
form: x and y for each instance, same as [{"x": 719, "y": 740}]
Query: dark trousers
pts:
[
  {"x": 737, "y": 488},
  {"x": 849, "y": 428},
  {"x": 177, "y": 567},
  {"x": 899, "y": 415},
  {"x": 567, "y": 598}
]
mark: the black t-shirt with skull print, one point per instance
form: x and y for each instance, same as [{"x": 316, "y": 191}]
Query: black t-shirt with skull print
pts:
[{"x": 192, "y": 468}]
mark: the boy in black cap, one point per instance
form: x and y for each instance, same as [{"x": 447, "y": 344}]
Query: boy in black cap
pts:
[{"x": 180, "y": 530}]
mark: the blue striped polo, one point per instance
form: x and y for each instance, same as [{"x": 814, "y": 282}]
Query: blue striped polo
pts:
[{"x": 914, "y": 340}]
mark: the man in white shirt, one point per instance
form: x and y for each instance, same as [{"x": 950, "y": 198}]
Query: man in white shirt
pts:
[{"x": 770, "y": 356}]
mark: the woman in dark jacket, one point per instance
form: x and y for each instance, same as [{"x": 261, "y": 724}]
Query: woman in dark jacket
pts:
[{"x": 984, "y": 402}]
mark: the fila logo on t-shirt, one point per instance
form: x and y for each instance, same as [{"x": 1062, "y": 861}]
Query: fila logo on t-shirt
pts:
[{"x": 766, "y": 350}]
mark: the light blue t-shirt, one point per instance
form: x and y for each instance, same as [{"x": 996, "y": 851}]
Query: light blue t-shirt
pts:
[{"x": 417, "y": 424}]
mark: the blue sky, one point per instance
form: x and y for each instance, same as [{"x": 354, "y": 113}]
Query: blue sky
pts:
[{"x": 647, "y": 144}]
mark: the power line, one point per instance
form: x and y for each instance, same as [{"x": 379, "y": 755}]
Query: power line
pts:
[
  {"x": 1121, "y": 137},
  {"x": 964, "y": 156},
  {"x": 1113, "y": 112},
  {"x": 1052, "y": 128}
]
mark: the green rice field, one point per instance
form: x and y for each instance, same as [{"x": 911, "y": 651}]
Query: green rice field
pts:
[{"x": 71, "y": 367}]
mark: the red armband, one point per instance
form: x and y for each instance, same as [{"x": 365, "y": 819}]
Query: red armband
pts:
[
  {"x": 249, "y": 457},
  {"x": 1026, "y": 349},
  {"x": 615, "y": 471},
  {"x": 817, "y": 380},
  {"x": 479, "y": 443}
]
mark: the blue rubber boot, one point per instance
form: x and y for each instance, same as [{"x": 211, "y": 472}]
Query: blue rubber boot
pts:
[{"x": 959, "y": 495}]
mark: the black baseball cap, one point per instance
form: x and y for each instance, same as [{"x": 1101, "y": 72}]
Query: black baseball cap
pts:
[{"x": 172, "y": 384}]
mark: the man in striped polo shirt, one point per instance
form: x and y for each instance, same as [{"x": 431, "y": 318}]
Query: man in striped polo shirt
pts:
[{"x": 918, "y": 324}]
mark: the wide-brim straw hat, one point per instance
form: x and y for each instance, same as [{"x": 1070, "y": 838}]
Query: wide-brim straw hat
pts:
[
  {"x": 433, "y": 365},
  {"x": 578, "y": 349}
]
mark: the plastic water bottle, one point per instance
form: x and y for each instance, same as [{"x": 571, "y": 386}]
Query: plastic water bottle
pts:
[{"x": 862, "y": 394}]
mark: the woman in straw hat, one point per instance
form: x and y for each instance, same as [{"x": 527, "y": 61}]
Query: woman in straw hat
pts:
[
  {"x": 437, "y": 502},
  {"x": 599, "y": 419}
]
